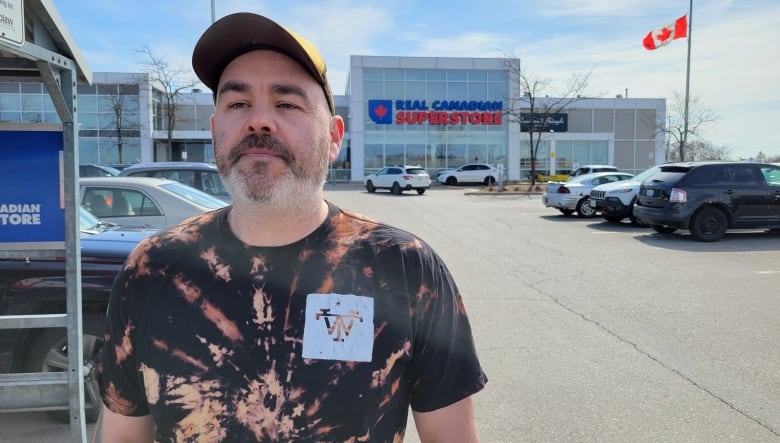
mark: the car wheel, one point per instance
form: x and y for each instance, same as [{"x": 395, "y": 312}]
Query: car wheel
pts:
[
  {"x": 708, "y": 224},
  {"x": 396, "y": 189},
  {"x": 613, "y": 218},
  {"x": 452, "y": 181},
  {"x": 421, "y": 191},
  {"x": 489, "y": 180},
  {"x": 49, "y": 353},
  {"x": 584, "y": 209},
  {"x": 663, "y": 229},
  {"x": 370, "y": 186},
  {"x": 566, "y": 212},
  {"x": 635, "y": 221}
]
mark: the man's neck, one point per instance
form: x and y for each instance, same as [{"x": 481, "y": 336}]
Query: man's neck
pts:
[{"x": 257, "y": 227}]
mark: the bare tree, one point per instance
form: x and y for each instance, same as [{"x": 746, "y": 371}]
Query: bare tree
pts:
[
  {"x": 699, "y": 150},
  {"x": 674, "y": 129},
  {"x": 123, "y": 107},
  {"x": 173, "y": 81},
  {"x": 535, "y": 104}
]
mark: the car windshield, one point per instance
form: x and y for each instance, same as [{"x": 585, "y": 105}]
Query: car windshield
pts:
[
  {"x": 670, "y": 173},
  {"x": 198, "y": 197},
  {"x": 87, "y": 221},
  {"x": 580, "y": 178},
  {"x": 89, "y": 224},
  {"x": 416, "y": 171},
  {"x": 646, "y": 174}
]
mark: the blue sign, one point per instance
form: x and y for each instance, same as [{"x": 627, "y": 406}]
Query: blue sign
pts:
[
  {"x": 381, "y": 111},
  {"x": 32, "y": 203}
]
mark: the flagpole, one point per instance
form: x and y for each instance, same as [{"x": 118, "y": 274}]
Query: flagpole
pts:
[{"x": 684, "y": 142}]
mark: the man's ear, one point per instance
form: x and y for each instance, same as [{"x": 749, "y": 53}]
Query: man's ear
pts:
[{"x": 336, "y": 136}]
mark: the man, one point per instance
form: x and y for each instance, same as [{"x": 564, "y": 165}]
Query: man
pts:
[{"x": 282, "y": 317}]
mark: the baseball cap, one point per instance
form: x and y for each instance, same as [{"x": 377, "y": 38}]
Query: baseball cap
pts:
[{"x": 239, "y": 33}]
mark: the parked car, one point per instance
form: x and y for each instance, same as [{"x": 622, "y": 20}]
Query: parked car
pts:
[
  {"x": 469, "y": 173},
  {"x": 398, "y": 178},
  {"x": 553, "y": 185},
  {"x": 582, "y": 170},
  {"x": 37, "y": 286},
  {"x": 143, "y": 201},
  {"x": 590, "y": 169},
  {"x": 708, "y": 198},
  {"x": 119, "y": 166},
  {"x": 615, "y": 201},
  {"x": 94, "y": 170},
  {"x": 572, "y": 196},
  {"x": 203, "y": 176}
]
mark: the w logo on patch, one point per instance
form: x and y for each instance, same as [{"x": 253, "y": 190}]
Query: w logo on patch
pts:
[{"x": 381, "y": 111}]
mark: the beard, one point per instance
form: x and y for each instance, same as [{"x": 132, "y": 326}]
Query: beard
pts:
[{"x": 256, "y": 185}]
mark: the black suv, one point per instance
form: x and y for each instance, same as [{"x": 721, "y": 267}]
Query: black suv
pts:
[{"x": 707, "y": 198}]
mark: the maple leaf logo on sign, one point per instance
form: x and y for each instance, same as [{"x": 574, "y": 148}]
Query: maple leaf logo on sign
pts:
[{"x": 380, "y": 111}]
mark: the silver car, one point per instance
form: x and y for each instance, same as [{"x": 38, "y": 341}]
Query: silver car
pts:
[
  {"x": 199, "y": 175},
  {"x": 143, "y": 201},
  {"x": 573, "y": 195}
]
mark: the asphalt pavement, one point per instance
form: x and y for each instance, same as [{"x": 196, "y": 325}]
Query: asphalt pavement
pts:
[{"x": 590, "y": 331}]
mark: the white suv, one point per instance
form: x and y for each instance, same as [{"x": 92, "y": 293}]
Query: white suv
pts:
[
  {"x": 469, "y": 173},
  {"x": 398, "y": 178},
  {"x": 616, "y": 200}
]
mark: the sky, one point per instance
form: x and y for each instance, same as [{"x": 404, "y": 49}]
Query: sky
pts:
[{"x": 734, "y": 68}]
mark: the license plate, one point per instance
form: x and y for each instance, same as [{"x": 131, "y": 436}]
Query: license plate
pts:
[
  {"x": 648, "y": 192},
  {"x": 592, "y": 203}
]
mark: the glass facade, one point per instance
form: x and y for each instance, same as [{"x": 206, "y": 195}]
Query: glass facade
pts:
[
  {"x": 26, "y": 103},
  {"x": 109, "y": 117},
  {"x": 569, "y": 154},
  {"x": 433, "y": 145},
  {"x": 109, "y": 123},
  {"x": 441, "y": 113}
]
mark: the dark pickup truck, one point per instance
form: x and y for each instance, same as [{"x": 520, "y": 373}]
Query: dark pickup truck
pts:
[{"x": 37, "y": 286}]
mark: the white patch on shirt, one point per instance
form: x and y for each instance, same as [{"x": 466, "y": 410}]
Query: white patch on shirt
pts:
[{"x": 338, "y": 327}]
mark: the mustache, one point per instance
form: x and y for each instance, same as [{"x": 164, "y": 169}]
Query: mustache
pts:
[{"x": 266, "y": 141}]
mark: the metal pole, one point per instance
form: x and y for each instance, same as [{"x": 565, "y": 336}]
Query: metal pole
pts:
[
  {"x": 213, "y": 13},
  {"x": 684, "y": 142}
]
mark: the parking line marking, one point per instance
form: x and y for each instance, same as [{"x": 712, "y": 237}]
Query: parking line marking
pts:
[{"x": 767, "y": 272}]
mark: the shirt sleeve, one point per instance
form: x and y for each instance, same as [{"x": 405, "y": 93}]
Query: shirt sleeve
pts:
[
  {"x": 444, "y": 367},
  {"x": 121, "y": 385}
]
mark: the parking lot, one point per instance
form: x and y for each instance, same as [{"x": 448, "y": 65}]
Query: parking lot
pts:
[{"x": 591, "y": 331}]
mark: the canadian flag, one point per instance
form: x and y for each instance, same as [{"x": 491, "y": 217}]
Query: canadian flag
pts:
[{"x": 665, "y": 34}]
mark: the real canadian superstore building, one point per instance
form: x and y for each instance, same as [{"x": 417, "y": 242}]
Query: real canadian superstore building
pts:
[{"x": 429, "y": 111}]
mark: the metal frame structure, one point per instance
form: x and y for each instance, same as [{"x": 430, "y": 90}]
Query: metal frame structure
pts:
[{"x": 48, "y": 55}]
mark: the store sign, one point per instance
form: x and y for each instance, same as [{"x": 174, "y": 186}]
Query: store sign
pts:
[
  {"x": 544, "y": 122},
  {"x": 439, "y": 112},
  {"x": 12, "y": 21},
  {"x": 32, "y": 202}
]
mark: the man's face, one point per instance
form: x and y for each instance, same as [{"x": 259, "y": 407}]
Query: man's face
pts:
[{"x": 273, "y": 133}]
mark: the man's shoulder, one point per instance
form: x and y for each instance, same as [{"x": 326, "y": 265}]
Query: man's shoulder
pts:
[
  {"x": 190, "y": 231},
  {"x": 365, "y": 227}
]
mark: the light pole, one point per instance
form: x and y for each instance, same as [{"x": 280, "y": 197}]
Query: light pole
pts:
[
  {"x": 213, "y": 14},
  {"x": 552, "y": 151}
]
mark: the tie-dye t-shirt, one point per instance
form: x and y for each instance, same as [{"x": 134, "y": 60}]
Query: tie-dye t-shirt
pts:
[{"x": 331, "y": 338}]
